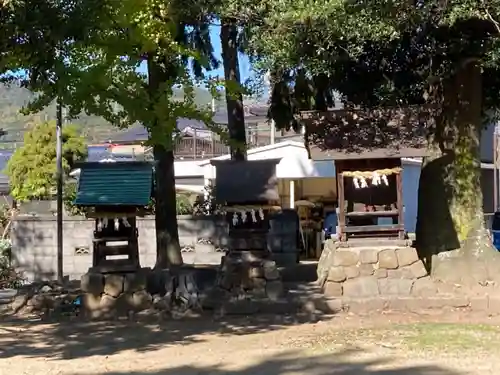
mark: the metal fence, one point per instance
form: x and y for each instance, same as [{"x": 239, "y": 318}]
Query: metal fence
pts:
[{"x": 201, "y": 144}]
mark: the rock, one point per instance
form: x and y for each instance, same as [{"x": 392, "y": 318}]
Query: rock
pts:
[
  {"x": 336, "y": 274},
  {"x": 140, "y": 300},
  {"x": 387, "y": 259},
  {"x": 399, "y": 287},
  {"x": 366, "y": 269},
  {"x": 250, "y": 256},
  {"x": 417, "y": 270},
  {"x": 332, "y": 289},
  {"x": 45, "y": 289},
  {"x": 259, "y": 283},
  {"x": 368, "y": 256},
  {"x": 269, "y": 264},
  {"x": 380, "y": 273},
  {"x": 91, "y": 302},
  {"x": 364, "y": 305},
  {"x": 135, "y": 281},
  {"x": 256, "y": 272},
  {"x": 395, "y": 274},
  {"x": 274, "y": 290},
  {"x": 406, "y": 256},
  {"x": 259, "y": 292},
  {"x": 329, "y": 305},
  {"x": 246, "y": 281},
  {"x": 351, "y": 272},
  {"x": 92, "y": 283},
  {"x": 424, "y": 287},
  {"x": 271, "y": 273},
  {"x": 113, "y": 285},
  {"x": 107, "y": 303},
  {"x": 325, "y": 262},
  {"x": 345, "y": 258},
  {"x": 365, "y": 286},
  {"x": 41, "y": 302},
  {"x": 19, "y": 303},
  {"x": 161, "y": 303}
]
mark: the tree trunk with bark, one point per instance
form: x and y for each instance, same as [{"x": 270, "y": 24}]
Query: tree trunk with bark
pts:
[
  {"x": 451, "y": 234},
  {"x": 168, "y": 250},
  {"x": 234, "y": 99}
]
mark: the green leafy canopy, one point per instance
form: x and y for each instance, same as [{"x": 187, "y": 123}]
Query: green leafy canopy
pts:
[
  {"x": 32, "y": 167},
  {"x": 374, "y": 53},
  {"x": 90, "y": 55}
]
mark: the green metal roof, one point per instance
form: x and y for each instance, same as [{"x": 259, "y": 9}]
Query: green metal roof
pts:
[{"x": 115, "y": 184}]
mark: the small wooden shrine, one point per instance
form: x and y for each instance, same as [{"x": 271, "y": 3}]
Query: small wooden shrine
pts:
[
  {"x": 367, "y": 149},
  {"x": 369, "y": 190},
  {"x": 114, "y": 194},
  {"x": 248, "y": 192}
]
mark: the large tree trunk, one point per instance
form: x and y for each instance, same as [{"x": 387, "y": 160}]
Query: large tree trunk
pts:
[
  {"x": 451, "y": 234},
  {"x": 168, "y": 250},
  {"x": 234, "y": 100}
]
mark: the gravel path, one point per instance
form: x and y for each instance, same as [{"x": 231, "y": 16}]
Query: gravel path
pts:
[{"x": 343, "y": 345}]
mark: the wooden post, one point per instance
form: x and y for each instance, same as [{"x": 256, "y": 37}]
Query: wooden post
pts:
[
  {"x": 341, "y": 199},
  {"x": 399, "y": 188},
  {"x": 292, "y": 194}
]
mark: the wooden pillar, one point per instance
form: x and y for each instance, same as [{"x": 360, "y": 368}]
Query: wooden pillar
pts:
[
  {"x": 292, "y": 194},
  {"x": 341, "y": 199},
  {"x": 399, "y": 189}
]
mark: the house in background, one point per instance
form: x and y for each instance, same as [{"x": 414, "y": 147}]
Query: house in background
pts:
[
  {"x": 197, "y": 145},
  {"x": 196, "y": 141}
]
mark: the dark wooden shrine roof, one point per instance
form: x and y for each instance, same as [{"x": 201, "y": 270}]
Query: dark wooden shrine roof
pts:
[
  {"x": 246, "y": 182},
  {"x": 357, "y": 134}
]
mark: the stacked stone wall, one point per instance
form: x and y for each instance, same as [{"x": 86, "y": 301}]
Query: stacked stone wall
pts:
[
  {"x": 363, "y": 272},
  {"x": 250, "y": 275}
]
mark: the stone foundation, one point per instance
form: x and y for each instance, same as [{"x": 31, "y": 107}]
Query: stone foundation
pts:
[
  {"x": 250, "y": 274},
  {"x": 364, "y": 272},
  {"x": 116, "y": 294}
]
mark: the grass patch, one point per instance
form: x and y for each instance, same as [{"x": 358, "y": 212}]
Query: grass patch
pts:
[
  {"x": 444, "y": 337},
  {"x": 453, "y": 337}
]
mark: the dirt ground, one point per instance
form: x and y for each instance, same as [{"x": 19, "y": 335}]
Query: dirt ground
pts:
[{"x": 447, "y": 343}]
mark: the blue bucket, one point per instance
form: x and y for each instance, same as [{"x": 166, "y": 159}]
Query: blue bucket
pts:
[
  {"x": 495, "y": 230},
  {"x": 495, "y": 236}
]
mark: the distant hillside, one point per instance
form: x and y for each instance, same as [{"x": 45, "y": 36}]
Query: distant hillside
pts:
[{"x": 12, "y": 99}]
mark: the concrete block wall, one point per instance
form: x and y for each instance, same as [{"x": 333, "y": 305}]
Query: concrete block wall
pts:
[{"x": 34, "y": 243}]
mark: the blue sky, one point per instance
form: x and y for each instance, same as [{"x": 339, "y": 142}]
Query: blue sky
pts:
[{"x": 245, "y": 66}]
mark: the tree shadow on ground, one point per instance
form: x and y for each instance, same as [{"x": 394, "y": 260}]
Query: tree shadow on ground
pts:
[
  {"x": 347, "y": 362},
  {"x": 80, "y": 339}
]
